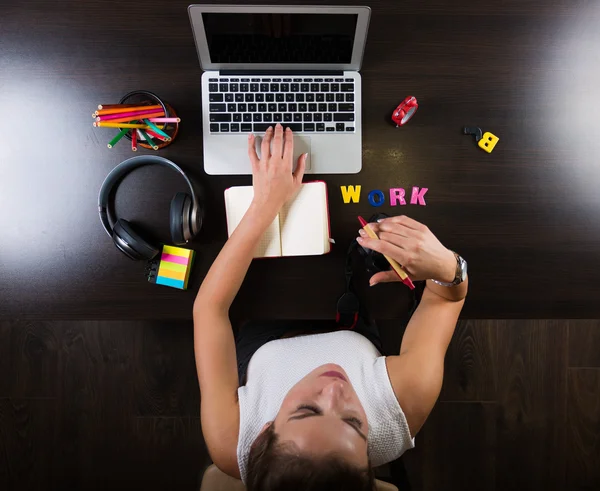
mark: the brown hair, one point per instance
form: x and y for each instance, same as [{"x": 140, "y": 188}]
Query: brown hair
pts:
[{"x": 273, "y": 467}]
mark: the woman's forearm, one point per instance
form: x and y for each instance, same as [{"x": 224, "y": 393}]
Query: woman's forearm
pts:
[{"x": 227, "y": 273}]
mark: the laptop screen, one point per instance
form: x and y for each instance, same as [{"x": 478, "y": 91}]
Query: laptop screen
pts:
[{"x": 268, "y": 38}]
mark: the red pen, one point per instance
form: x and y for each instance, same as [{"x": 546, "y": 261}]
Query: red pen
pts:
[{"x": 393, "y": 263}]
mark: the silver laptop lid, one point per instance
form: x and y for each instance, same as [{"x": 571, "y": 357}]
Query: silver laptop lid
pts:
[{"x": 290, "y": 37}]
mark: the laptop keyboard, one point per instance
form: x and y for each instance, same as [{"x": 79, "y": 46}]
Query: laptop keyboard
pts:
[{"x": 306, "y": 105}]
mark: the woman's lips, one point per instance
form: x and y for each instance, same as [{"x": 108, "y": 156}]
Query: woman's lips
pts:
[{"x": 334, "y": 374}]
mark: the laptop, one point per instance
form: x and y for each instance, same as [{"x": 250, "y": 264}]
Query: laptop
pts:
[{"x": 294, "y": 65}]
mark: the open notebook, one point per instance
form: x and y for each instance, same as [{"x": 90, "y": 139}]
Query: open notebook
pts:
[{"x": 300, "y": 229}]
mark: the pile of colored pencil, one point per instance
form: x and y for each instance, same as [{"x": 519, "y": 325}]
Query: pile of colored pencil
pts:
[{"x": 145, "y": 123}]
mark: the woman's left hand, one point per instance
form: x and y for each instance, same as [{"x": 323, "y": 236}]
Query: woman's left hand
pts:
[
  {"x": 272, "y": 177},
  {"x": 414, "y": 246}
]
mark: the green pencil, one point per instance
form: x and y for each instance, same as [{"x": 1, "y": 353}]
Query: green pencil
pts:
[
  {"x": 156, "y": 129},
  {"x": 121, "y": 134},
  {"x": 149, "y": 140}
]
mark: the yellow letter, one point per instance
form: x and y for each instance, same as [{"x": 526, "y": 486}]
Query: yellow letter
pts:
[
  {"x": 350, "y": 193},
  {"x": 488, "y": 142}
]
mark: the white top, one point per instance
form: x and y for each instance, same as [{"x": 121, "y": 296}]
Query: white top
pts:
[{"x": 278, "y": 365}]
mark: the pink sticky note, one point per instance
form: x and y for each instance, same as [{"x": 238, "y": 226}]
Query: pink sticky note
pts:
[
  {"x": 418, "y": 196},
  {"x": 397, "y": 195},
  {"x": 171, "y": 258}
]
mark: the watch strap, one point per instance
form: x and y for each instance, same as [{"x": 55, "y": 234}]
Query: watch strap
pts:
[{"x": 457, "y": 275}]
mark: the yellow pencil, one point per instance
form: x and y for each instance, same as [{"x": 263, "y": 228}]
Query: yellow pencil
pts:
[
  {"x": 393, "y": 263},
  {"x": 105, "y": 124}
]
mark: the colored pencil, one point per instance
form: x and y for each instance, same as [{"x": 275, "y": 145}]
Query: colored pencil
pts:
[
  {"x": 157, "y": 136},
  {"x": 149, "y": 141},
  {"x": 127, "y": 119},
  {"x": 393, "y": 263},
  {"x": 105, "y": 124},
  {"x": 97, "y": 113},
  {"x": 114, "y": 141},
  {"x": 156, "y": 129},
  {"x": 124, "y": 119},
  {"x": 132, "y": 115},
  {"x": 165, "y": 120},
  {"x": 114, "y": 106},
  {"x": 134, "y": 140},
  {"x": 118, "y": 110}
]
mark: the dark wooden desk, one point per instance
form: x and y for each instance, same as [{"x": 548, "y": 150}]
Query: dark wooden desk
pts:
[{"x": 526, "y": 217}]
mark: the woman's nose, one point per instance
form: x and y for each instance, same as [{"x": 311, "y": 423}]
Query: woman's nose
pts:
[{"x": 334, "y": 391}]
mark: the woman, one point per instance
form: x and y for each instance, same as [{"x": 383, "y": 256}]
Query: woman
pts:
[{"x": 318, "y": 411}]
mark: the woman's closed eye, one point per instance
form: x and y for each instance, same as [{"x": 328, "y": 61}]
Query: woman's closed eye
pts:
[
  {"x": 308, "y": 407},
  {"x": 354, "y": 421},
  {"x": 315, "y": 410}
]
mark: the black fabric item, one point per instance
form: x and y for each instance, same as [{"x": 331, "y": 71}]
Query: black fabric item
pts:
[
  {"x": 176, "y": 217},
  {"x": 140, "y": 247},
  {"x": 348, "y": 307}
]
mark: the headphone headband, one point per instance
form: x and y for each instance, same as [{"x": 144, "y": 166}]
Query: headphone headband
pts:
[{"x": 124, "y": 168}]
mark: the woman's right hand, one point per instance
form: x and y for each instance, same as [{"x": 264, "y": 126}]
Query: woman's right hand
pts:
[
  {"x": 414, "y": 246},
  {"x": 272, "y": 177}
]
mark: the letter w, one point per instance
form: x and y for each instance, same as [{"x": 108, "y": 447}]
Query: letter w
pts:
[{"x": 351, "y": 193}]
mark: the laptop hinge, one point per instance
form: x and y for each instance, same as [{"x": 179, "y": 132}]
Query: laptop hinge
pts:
[{"x": 336, "y": 73}]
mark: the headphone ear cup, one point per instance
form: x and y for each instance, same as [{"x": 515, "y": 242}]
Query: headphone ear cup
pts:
[
  {"x": 178, "y": 216},
  {"x": 197, "y": 217},
  {"x": 131, "y": 243},
  {"x": 188, "y": 233}
]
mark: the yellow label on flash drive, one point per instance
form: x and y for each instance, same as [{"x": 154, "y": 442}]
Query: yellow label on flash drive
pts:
[{"x": 488, "y": 141}]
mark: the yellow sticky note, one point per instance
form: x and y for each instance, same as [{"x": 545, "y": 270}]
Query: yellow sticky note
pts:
[
  {"x": 488, "y": 142},
  {"x": 169, "y": 266},
  {"x": 176, "y": 275},
  {"x": 176, "y": 251}
]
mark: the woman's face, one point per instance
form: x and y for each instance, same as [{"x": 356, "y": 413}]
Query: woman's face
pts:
[{"x": 322, "y": 415}]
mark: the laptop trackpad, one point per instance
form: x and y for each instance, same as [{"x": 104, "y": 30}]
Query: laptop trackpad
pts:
[{"x": 301, "y": 145}]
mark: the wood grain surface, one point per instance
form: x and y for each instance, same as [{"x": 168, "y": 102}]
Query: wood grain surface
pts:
[
  {"x": 471, "y": 361},
  {"x": 532, "y": 362},
  {"x": 584, "y": 340},
  {"x": 117, "y": 406},
  {"x": 461, "y": 458},
  {"x": 583, "y": 442},
  {"x": 525, "y": 216},
  {"x": 97, "y": 378}
]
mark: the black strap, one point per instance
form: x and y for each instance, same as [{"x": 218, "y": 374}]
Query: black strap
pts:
[{"x": 348, "y": 307}]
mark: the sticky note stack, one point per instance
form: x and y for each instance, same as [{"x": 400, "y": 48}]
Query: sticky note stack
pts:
[{"x": 172, "y": 268}]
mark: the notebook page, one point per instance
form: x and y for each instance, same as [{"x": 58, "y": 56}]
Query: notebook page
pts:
[
  {"x": 237, "y": 202},
  {"x": 304, "y": 222}
]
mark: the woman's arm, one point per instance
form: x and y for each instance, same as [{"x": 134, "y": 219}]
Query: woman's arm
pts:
[
  {"x": 214, "y": 345},
  {"x": 417, "y": 372}
]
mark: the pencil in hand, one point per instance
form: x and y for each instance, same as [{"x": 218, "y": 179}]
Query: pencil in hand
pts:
[{"x": 393, "y": 263}]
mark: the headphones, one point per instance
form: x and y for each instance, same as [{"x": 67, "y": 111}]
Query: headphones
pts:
[{"x": 185, "y": 216}]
